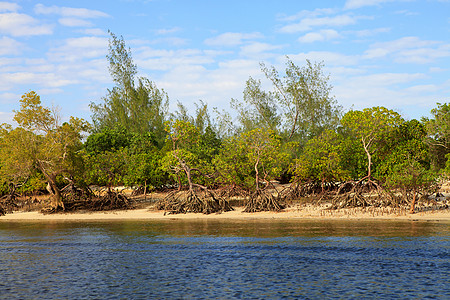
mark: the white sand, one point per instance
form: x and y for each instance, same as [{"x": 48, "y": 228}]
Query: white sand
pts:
[{"x": 304, "y": 212}]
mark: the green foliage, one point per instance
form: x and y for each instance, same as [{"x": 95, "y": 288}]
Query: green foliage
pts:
[
  {"x": 258, "y": 109},
  {"x": 108, "y": 139},
  {"x": 438, "y": 130},
  {"x": 371, "y": 126},
  {"x": 321, "y": 160},
  {"x": 191, "y": 151},
  {"x": 251, "y": 157},
  {"x": 233, "y": 165},
  {"x": 144, "y": 162},
  {"x": 41, "y": 143},
  {"x": 303, "y": 95},
  {"x": 410, "y": 177},
  {"x": 115, "y": 157},
  {"x": 106, "y": 168},
  {"x": 352, "y": 156},
  {"x": 139, "y": 107},
  {"x": 405, "y": 143},
  {"x": 404, "y": 161}
]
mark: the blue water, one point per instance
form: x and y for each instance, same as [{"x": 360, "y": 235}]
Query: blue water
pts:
[{"x": 225, "y": 260}]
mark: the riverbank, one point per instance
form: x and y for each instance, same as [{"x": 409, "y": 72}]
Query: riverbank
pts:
[{"x": 293, "y": 213}]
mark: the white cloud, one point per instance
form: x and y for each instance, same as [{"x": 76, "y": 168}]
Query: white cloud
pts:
[
  {"x": 307, "y": 14},
  {"x": 330, "y": 59},
  {"x": 320, "y": 36},
  {"x": 230, "y": 39},
  {"x": 10, "y": 46},
  {"x": 76, "y": 49},
  {"x": 9, "y": 7},
  {"x": 164, "y": 60},
  {"x": 74, "y": 22},
  {"x": 354, "y": 4},
  {"x": 258, "y": 50},
  {"x": 27, "y": 78},
  {"x": 7, "y": 98},
  {"x": 409, "y": 50},
  {"x": 16, "y": 24},
  {"x": 165, "y": 31},
  {"x": 392, "y": 90},
  {"x": 371, "y": 32},
  {"x": 309, "y": 23},
  {"x": 192, "y": 83},
  {"x": 69, "y": 12},
  {"x": 71, "y": 17},
  {"x": 93, "y": 31},
  {"x": 174, "y": 41},
  {"x": 6, "y": 117}
]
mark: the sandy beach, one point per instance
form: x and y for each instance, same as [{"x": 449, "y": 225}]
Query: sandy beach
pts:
[{"x": 292, "y": 213}]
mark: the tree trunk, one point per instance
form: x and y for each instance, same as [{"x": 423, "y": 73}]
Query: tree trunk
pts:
[
  {"x": 179, "y": 181},
  {"x": 53, "y": 189},
  {"x": 369, "y": 159},
  {"x": 413, "y": 203},
  {"x": 257, "y": 174},
  {"x": 145, "y": 190},
  {"x": 187, "y": 170}
]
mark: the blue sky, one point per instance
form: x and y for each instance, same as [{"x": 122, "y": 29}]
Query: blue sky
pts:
[{"x": 393, "y": 53}]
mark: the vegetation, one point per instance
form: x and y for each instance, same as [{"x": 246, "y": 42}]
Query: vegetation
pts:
[{"x": 295, "y": 133}]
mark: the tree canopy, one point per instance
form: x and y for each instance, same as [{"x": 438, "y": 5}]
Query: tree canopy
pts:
[
  {"x": 136, "y": 104},
  {"x": 41, "y": 142}
]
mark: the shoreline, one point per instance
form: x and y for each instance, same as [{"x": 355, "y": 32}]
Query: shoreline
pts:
[{"x": 293, "y": 213}]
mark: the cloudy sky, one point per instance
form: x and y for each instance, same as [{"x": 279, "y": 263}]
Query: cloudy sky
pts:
[{"x": 393, "y": 53}]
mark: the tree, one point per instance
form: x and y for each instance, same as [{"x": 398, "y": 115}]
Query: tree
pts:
[
  {"x": 258, "y": 109},
  {"x": 42, "y": 142},
  {"x": 190, "y": 160},
  {"x": 253, "y": 158},
  {"x": 143, "y": 160},
  {"x": 371, "y": 126},
  {"x": 115, "y": 156},
  {"x": 136, "y": 104},
  {"x": 438, "y": 134},
  {"x": 303, "y": 94},
  {"x": 404, "y": 163},
  {"x": 320, "y": 161}
]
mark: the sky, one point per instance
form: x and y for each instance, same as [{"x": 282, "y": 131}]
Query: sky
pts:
[{"x": 392, "y": 53}]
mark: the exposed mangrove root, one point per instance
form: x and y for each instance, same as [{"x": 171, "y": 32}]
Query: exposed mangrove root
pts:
[
  {"x": 193, "y": 201},
  {"x": 262, "y": 200},
  {"x": 8, "y": 204},
  {"x": 315, "y": 190},
  {"x": 231, "y": 191},
  {"x": 363, "y": 194},
  {"x": 83, "y": 199}
]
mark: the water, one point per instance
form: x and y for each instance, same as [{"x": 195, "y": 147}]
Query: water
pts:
[{"x": 225, "y": 260}]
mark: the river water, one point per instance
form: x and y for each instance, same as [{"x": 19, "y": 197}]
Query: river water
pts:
[{"x": 208, "y": 259}]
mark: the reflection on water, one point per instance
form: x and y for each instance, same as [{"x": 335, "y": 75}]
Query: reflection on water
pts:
[{"x": 224, "y": 259}]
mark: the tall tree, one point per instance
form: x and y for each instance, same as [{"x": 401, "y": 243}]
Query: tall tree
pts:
[
  {"x": 136, "y": 104},
  {"x": 41, "y": 142},
  {"x": 303, "y": 94},
  {"x": 258, "y": 109}
]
